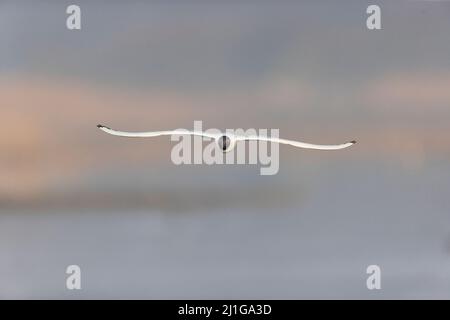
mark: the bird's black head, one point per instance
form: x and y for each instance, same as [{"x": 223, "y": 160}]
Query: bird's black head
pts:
[{"x": 224, "y": 143}]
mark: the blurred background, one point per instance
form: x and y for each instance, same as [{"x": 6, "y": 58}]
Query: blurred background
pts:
[{"x": 141, "y": 227}]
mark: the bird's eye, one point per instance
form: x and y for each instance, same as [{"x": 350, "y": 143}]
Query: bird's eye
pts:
[{"x": 224, "y": 143}]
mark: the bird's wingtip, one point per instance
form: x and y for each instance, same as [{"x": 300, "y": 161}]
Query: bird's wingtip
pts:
[
  {"x": 100, "y": 126},
  {"x": 353, "y": 141}
]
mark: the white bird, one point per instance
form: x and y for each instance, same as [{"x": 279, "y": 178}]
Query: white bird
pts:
[{"x": 225, "y": 141}]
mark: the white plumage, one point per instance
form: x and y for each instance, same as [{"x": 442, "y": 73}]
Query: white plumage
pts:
[{"x": 232, "y": 138}]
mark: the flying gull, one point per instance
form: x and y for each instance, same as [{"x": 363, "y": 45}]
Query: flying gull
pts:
[{"x": 226, "y": 141}]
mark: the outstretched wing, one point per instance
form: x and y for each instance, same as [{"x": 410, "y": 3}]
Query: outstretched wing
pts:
[
  {"x": 297, "y": 144},
  {"x": 150, "y": 134}
]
